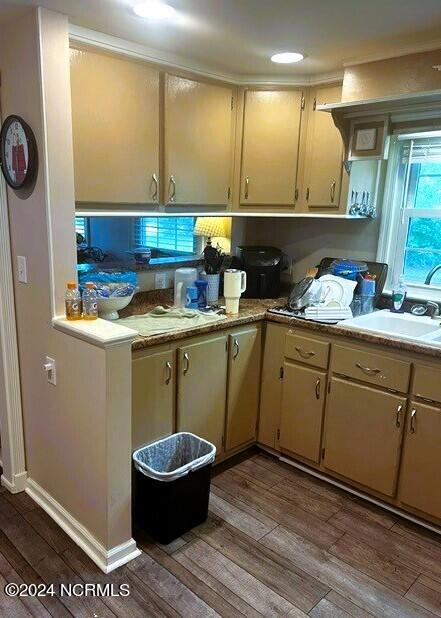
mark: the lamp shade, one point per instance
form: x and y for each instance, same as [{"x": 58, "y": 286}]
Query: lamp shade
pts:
[{"x": 210, "y": 226}]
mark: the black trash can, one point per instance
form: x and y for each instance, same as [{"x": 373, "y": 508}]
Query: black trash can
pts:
[{"x": 172, "y": 485}]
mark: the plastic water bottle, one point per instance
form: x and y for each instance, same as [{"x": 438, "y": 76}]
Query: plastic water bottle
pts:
[{"x": 90, "y": 302}]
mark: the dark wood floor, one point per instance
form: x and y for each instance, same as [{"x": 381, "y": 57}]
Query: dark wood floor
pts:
[{"x": 277, "y": 543}]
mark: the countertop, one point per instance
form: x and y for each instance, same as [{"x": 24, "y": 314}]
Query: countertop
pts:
[{"x": 255, "y": 310}]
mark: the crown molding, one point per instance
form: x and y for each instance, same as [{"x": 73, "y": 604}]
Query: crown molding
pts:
[
  {"x": 86, "y": 36},
  {"x": 406, "y": 50}
]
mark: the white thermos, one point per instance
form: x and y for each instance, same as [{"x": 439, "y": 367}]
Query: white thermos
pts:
[{"x": 235, "y": 283}]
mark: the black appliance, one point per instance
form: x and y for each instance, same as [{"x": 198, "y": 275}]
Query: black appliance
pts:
[{"x": 263, "y": 266}]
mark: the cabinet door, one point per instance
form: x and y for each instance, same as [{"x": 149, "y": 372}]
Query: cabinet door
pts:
[
  {"x": 153, "y": 388},
  {"x": 115, "y": 122},
  {"x": 243, "y": 387},
  {"x": 324, "y": 153},
  {"x": 421, "y": 463},
  {"x": 270, "y": 147},
  {"x": 303, "y": 401},
  {"x": 271, "y": 385},
  {"x": 198, "y": 141},
  {"x": 363, "y": 434},
  {"x": 202, "y": 384}
]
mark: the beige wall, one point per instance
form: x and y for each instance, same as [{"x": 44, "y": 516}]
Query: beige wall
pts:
[
  {"x": 308, "y": 241},
  {"x": 69, "y": 428},
  {"x": 394, "y": 76}
]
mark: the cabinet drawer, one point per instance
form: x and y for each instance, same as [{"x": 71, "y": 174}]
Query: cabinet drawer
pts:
[
  {"x": 427, "y": 383},
  {"x": 371, "y": 368},
  {"x": 307, "y": 350}
]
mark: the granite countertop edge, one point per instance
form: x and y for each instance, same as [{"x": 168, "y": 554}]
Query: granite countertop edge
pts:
[{"x": 252, "y": 311}]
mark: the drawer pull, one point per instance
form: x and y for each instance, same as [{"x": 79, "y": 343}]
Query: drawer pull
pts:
[
  {"x": 398, "y": 417},
  {"x": 304, "y": 353},
  {"x": 369, "y": 370},
  {"x": 187, "y": 363},
  {"x": 317, "y": 389},
  {"x": 236, "y": 349},
  {"x": 412, "y": 420},
  {"x": 168, "y": 367}
]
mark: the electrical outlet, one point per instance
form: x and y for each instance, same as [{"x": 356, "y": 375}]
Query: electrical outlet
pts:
[
  {"x": 22, "y": 269},
  {"x": 51, "y": 369},
  {"x": 161, "y": 280}
]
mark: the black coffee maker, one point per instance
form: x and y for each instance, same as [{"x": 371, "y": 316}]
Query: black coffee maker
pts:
[{"x": 263, "y": 266}]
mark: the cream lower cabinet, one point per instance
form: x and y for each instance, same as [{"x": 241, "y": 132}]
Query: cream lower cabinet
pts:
[
  {"x": 243, "y": 387},
  {"x": 364, "y": 428},
  {"x": 303, "y": 402},
  {"x": 202, "y": 386},
  {"x": 153, "y": 397},
  {"x": 421, "y": 462},
  {"x": 271, "y": 385}
]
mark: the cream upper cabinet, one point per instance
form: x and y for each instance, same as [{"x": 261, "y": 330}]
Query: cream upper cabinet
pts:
[
  {"x": 363, "y": 432},
  {"x": 198, "y": 146},
  {"x": 421, "y": 463},
  {"x": 302, "y": 410},
  {"x": 115, "y": 121},
  {"x": 270, "y": 147},
  {"x": 153, "y": 397},
  {"x": 243, "y": 387},
  {"x": 202, "y": 383},
  {"x": 323, "y": 153}
]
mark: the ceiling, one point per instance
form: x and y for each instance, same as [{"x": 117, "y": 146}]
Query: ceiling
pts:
[{"x": 237, "y": 37}]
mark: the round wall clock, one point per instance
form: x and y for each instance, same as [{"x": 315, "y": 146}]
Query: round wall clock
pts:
[{"x": 18, "y": 152}]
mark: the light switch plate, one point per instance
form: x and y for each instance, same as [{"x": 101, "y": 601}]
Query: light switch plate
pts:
[
  {"x": 51, "y": 370},
  {"x": 22, "y": 269}
]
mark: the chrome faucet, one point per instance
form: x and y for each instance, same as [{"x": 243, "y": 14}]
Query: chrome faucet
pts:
[
  {"x": 430, "y": 274},
  {"x": 432, "y": 305}
]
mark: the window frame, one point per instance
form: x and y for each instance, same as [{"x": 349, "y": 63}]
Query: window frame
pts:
[{"x": 395, "y": 221}]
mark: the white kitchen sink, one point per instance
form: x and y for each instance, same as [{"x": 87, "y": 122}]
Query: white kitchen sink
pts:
[{"x": 403, "y": 325}]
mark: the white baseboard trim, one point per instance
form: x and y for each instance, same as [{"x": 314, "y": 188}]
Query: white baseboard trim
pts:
[
  {"x": 107, "y": 560},
  {"x": 18, "y": 484}
]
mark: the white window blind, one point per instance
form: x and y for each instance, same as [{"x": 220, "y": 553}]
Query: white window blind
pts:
[
  {"x": 168, "y": 233},
  {"x": 81, "y": 227}
]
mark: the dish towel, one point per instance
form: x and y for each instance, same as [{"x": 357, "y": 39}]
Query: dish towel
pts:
[{"x": 163, "y": 320}]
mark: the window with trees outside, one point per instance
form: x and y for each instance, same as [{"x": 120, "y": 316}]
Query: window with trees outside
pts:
[{"x": 412, "y": 212}]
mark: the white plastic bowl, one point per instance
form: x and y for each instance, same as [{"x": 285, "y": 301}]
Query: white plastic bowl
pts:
[{"x": 108, "y": 307}]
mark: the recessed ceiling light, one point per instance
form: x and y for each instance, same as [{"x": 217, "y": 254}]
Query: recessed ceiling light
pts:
[
  {"x": 287, "y": 57},
  {"x": 153, "y": 10}
]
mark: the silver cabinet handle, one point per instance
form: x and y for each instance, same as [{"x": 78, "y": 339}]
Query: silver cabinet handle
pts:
[
  {"x": 247, "y": 185},
  {"x": 156, "y": 184},
  {"x": 187, "y": 363},
  {"x": 317, "y": 389},
  {"x": 332, "y": 190},
  {"x": 172, "y": 195},
  {"x": 412, "y": 420},
  {"x": 304, "y": 353},
  {"x": 369, "y": 370},
  {"x": 236, "y": 349},
  {"x": 398, "y": 417},
  {"x": 168, "y": 367}
]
